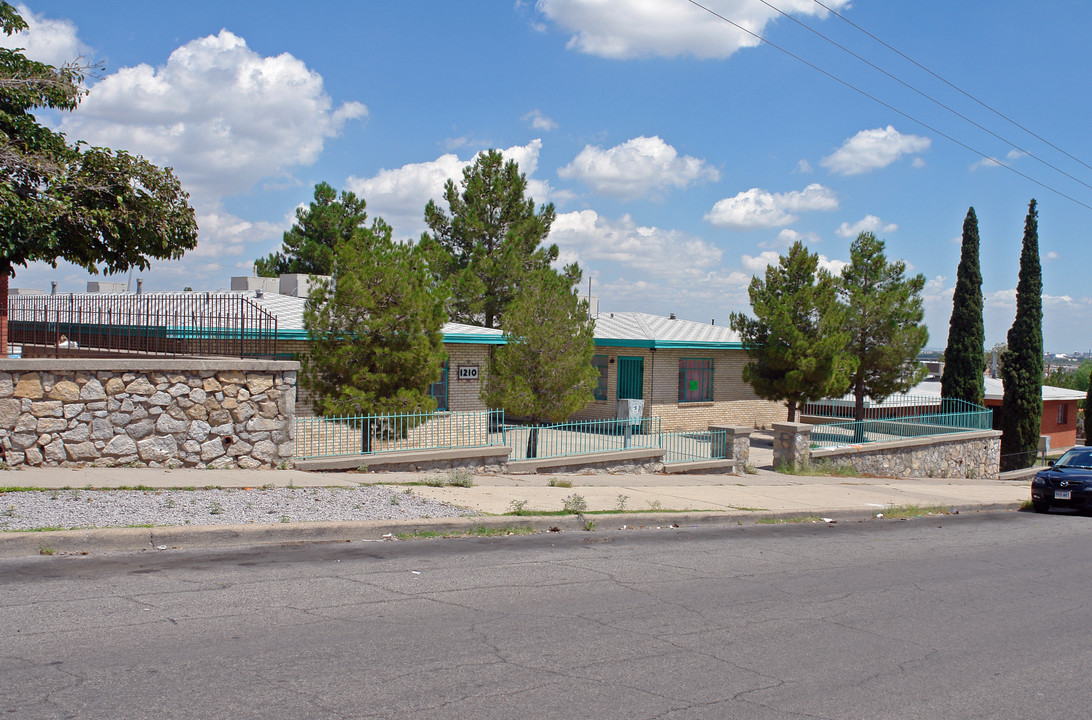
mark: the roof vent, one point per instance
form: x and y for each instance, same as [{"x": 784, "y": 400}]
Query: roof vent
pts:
[{"x": 671, "y": 316}]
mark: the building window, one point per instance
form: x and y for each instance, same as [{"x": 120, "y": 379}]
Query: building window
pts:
[
  {"x": 1063, "y": 413},
  {"x": 599, "y": 362},
  {"x": 696, "y": 380},
  {"x": 438, "y": 389}
]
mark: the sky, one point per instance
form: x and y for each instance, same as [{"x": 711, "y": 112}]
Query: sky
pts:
[{"x": 682, "y": 154}]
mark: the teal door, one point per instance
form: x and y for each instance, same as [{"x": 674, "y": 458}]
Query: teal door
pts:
[{"x": 631, "y": 376}]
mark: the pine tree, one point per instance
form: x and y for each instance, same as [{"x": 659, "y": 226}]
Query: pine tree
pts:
[
  {"x": 375, "y": 328},
  {"x": 963, "y": 358},
  {"x": 491, "y": 240},
  {"x": 884, "y": 314},
  {"x": 796, "y": 340},
  {"x": 308, "y": 247},
  {"x": 1022, "y": 367},
  {"x": 543, "y": 371}
]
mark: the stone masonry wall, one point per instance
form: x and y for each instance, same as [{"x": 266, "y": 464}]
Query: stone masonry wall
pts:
[
  {"x": 158, "y": 413},
  {"x": 975, "y": 454}
]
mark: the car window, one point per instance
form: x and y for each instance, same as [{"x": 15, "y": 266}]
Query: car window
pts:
[{"x": 1075, "y": 459}]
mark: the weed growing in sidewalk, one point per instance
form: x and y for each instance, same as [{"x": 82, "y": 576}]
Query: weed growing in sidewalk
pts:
[
  {"x": 822, "y": 467},
  {"x": 574, "y": 504},
  {"x": 622, "y": 502},
  {"x": 554, "y": 482},
  {"x": 460, "y": 477}
]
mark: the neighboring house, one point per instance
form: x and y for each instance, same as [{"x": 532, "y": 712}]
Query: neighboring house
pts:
[{"x": 1059, "y": 411}]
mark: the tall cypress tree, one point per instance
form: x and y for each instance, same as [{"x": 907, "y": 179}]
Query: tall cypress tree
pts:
[
  {"x": 963, "y": 358},
  {"x": 1022, "y": 367}
]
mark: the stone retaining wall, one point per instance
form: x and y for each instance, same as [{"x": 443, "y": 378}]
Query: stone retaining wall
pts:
[
  {"x": 973, "y": 454},
  {"x": 158, "y": 413}
]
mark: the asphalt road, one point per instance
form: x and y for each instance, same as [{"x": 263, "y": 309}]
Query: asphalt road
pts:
[{"x": 955, "y": 617}]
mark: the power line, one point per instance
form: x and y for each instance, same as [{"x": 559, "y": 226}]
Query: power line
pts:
[
  {"x": 952, "y": 85},
  {"x": 890, "y": 107},
  {"x": 925, "y": 95}
]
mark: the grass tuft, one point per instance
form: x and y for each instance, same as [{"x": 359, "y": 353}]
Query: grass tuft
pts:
[
  {"x": 897, "y": 512},
  {"x": 478, "y": 531}
]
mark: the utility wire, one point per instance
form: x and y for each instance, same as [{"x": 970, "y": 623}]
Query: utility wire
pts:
[
  {"x": 926, "y": 95},
  {"x": 952, "y": 85},
  {"x": 890, "y": 107}
]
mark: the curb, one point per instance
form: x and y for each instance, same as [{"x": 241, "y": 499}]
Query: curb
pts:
[{"x": 129, "y": 540}]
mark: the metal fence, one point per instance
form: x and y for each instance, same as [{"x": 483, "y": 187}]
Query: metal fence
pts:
[
  {"x": 895, "y": 406},
  {"x": 695, "y": 445},
  {"x": 964, "y": 419},
  {"x": 318, "y": 437},
  {"x": 172, "y": 324},
  {"x": 581, "y": 437}
]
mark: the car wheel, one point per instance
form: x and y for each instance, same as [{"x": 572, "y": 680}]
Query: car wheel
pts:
[{"x": 1040, "y": 507}]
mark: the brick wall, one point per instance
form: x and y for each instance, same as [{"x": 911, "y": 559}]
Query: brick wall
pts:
[
  {"x": 466, "y": 394},
  {"x": 734, "y": 402}
]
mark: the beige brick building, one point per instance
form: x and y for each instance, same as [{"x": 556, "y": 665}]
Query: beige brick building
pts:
[{"x": 689, "y": 374}]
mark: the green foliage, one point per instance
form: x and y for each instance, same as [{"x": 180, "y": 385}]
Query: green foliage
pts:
[
  {"x": 884, "y": 314},
  {"x": 544, "y": 370},
  {"x": 94, "y": 207},
  {"x": 963, "y": 359},
  {"x": 1072, "y": 378},
  {"x": 797, "y": 341},
  {"x": 491, "y": 240},
  {"x": 1022, "y": 369},
  {"x": 376, "y": 344},
  {"x": 574, "y": 504},
  {"x": 310, "y": 244}
]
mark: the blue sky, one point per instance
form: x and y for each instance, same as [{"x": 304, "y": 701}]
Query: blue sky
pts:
[{"x": 681, "y": 155}]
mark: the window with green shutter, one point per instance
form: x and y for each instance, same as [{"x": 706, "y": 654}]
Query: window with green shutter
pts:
[{"x": 696, "y": 380}]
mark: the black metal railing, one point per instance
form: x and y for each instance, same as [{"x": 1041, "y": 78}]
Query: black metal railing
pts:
[{"x": 171, "y": 324}]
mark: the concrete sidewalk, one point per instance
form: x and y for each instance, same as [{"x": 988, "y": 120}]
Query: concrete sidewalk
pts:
[{"x": 633, "y": 500}]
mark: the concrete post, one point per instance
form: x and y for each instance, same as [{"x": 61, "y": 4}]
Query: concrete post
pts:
[
  {"x": 792, "y": 444},
  {"x": 731, "y": 442}
]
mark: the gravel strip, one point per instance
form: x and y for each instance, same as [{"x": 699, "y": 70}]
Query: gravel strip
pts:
[{"x": 67, "y": 509}]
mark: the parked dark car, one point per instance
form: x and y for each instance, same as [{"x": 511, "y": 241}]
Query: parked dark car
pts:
[{"x": 1066, "y": 483}]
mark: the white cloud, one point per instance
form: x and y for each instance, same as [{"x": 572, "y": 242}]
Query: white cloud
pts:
[
  {"x": 1052, "y": 255},
  {"x": 834, "y": 267},
  {"x": 637, "y": 28},
  {"x": 871, "y": 150},
  {"x": 787, "y": 236},
  {"x": 636, "y": 168},
  {"x": 758, "y": 263},
  {"x": 989, "y": 162},
  {"x": 539, "y": 121},
  {"x": 399, "y": 195},
  {"x": 221, "y": 115},
  {"x": 757, "y": 208},
  {"x": 669, "y": 254},
  {"x": 47, "y": 40},
  {"x": 869, "y": 223},
  {"x": 803, "y": 168}
]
